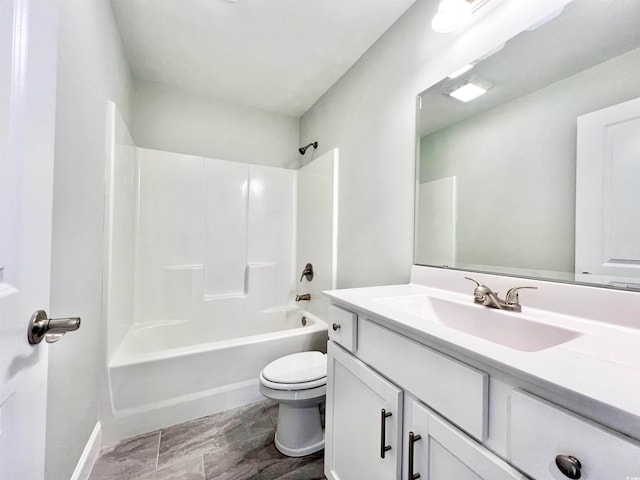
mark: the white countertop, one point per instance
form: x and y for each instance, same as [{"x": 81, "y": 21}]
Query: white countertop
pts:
[{"x": 603, "y": 363}]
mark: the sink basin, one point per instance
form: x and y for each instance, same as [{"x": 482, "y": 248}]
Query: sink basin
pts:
[{"x": 514, "y": 330}]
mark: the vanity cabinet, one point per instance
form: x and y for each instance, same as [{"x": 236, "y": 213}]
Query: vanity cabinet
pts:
[
  {"x": 364, "y": 426},
  {"x": 398, "y": 409}
]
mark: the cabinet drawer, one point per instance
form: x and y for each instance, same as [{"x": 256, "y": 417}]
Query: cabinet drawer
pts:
[
  {"x": 343, "y": 327},
  {"x": 455, "y": 390},
  {"x": 539, "y": 431}
]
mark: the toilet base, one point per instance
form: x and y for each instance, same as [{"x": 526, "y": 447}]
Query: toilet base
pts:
[
  {"x": 302, "y": 452},
  {"x": 299, "y": 430}
]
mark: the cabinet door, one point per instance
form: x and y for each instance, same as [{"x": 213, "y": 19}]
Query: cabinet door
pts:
[
  {"x": 443, "y": 452},
  {"x": 357, "y": 431}
]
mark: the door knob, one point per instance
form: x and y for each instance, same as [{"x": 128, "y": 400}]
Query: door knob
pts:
[{"x": 51, "y": 329}]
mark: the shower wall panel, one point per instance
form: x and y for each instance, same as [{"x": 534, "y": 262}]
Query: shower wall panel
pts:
[
  {"x": 317, "y": 224},
  {"x": 169, "y": 234},
  {"x": 271, "y": 229},
  {"x": 225, "y": 228},
  {"x": 215, "y": 239},
  {"x": 120, "y": 201}
]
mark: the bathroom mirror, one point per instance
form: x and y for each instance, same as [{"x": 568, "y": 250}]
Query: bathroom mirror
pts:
[{"x": 539, "y": 177}]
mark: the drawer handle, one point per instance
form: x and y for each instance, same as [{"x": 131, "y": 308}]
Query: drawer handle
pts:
[
  {"x": 412, "y": 439},
  {"x": 383, "y": 432},
  {"x": 335, "y": 327},
  {"x": 569, "y": 466}
]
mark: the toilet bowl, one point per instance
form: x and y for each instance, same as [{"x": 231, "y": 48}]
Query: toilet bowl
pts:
[{"x": 298, "y": 382}]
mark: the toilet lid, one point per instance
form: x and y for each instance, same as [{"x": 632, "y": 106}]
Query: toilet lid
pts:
[{"x": 297, "y": 368}]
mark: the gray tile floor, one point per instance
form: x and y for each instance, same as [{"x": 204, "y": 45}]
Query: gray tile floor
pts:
[{"x": 233, "y": 445}]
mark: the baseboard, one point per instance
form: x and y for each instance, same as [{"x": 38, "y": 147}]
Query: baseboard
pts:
[{"x": 89, "y": 455}]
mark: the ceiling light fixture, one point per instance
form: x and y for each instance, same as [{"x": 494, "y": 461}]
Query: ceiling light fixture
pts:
[
  {"x": 451, "y": 15},
  {"x": 468, "y": 92},
  {"x": 469, "y": 89}
]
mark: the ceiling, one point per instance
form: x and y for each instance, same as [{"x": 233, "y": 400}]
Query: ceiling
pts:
[{"x": 276, "y": 55}]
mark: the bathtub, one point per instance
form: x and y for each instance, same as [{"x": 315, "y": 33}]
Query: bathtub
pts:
[{"x": 172, "y": 372}]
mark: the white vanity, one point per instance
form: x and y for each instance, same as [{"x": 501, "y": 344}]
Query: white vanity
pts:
[{"x": 423, "y": 383}]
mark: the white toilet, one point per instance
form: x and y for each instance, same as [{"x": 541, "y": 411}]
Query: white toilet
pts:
[{"x": 298, "y": 382}]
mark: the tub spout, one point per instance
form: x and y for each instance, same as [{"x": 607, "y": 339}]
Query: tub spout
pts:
[{"x": 304, "y": 296}]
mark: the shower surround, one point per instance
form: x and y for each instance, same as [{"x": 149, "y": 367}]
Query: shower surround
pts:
[{"x": 200, "y": 275}]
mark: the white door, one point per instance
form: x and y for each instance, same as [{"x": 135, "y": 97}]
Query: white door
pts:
[
  {"x": 363, "y": 421},
  {"x": 28, "y": 35},
  {"x": 607, "y": 198}
]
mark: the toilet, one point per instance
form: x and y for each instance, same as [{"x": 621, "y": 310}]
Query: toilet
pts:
[{"x": 298, "y": 382}]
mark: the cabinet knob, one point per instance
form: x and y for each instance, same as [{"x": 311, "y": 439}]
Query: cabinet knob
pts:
[
  {"x": 335, "y": 327},
  {"x": 569, "y": 466}
]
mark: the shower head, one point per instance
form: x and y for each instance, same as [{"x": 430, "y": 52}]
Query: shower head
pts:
[{"x": 302, "y": 150}]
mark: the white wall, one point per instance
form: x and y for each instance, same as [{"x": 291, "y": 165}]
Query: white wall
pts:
[
  {"x": 370, "y": 115},
  {"x": 529, "y": 182},
  {"x": 167, "y": 118},
  {"x": 91, "y": 70}
]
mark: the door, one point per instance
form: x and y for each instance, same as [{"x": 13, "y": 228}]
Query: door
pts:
[
  {"x": 436, "y": 450},
  {"x": 607, "y": 200},
  {"x": 28, "y": 34},
  {"x": 363, "y": 421}
]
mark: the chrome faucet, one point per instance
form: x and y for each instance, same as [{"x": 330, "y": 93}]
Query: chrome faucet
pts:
[
  {"x": 304, "y": 296},
  {"x": 483, "y": 295}
]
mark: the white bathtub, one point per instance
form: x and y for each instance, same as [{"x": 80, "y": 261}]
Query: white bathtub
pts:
[{"x": 172, "y": 372}]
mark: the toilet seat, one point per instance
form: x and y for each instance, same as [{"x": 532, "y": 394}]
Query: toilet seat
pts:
[
  {"x": 299, "y": 371},
  {"x": 321, "y": 382}
]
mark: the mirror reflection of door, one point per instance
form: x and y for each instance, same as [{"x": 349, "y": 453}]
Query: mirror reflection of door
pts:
[
  {"x": 607, "y": 195},
  {"x": 436, "y": 222}
]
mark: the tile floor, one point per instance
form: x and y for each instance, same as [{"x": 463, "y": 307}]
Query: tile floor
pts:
[{"x": 233, "y": 445}]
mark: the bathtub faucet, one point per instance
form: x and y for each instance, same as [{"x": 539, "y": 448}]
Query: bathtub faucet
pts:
[
  {"x": 304, "y": 296},
  {"x": 307, "y": 272}
]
